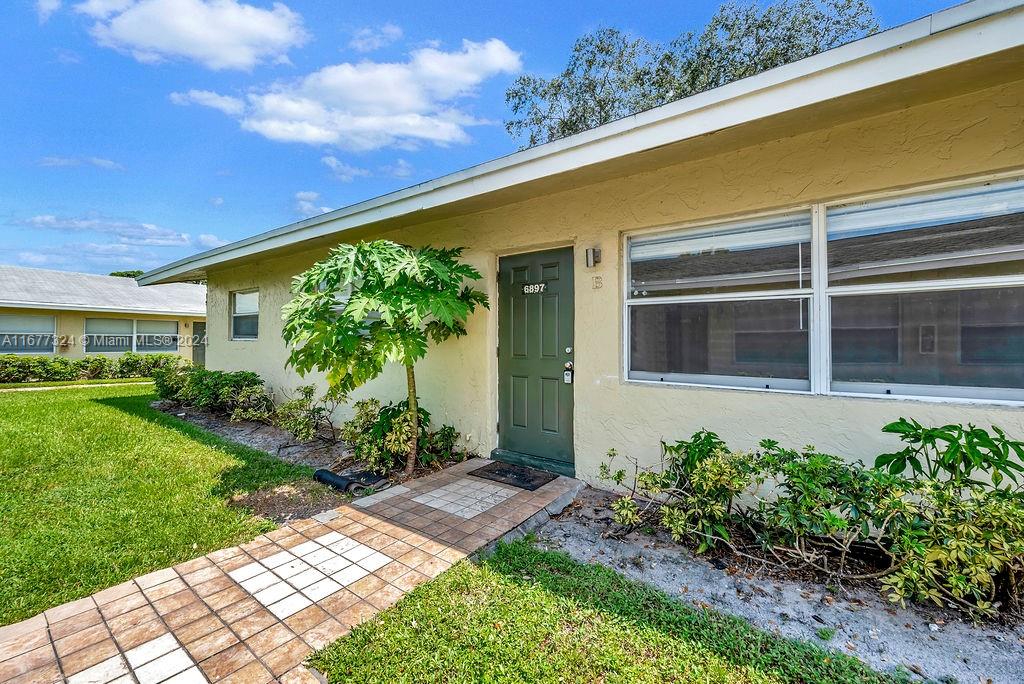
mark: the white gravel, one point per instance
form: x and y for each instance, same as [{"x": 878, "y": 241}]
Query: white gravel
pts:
[{"x": 934, "y": 645}]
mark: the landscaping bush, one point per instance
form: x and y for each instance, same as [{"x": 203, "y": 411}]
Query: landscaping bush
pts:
[
  {"x": 380, "y": 435},
  {"x": 169, "y": 381},
  {"x": 210, "y": 390},
  {"x": 19, "y": 368},
  {"x": 95, "y": 367},
  {"x": 306, "y": 418},
  {"x": 253, "y": 404},
  {"x": 133, "y": 365},
  {"x": 941, "y": 535}
]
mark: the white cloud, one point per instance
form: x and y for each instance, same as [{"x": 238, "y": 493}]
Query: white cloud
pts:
[
  {"x": 225, "y": 103},
  {"x": 101, "y": 163},
  {"x": 101, "y": 9},
  {"x": 306, "y": 203},
  {"x": 66, "y": 56},
  {"x": 400, "y": 169},
  {"x": 60, "y": 161},
  {"x": 370, "y": 105},
  {"x": 342, "y": 171},
  {"x": 123, "y": 232},
  {"x": 217, "y": 202},
  {"x": 370, "y": 39},
  {"x": 210, "y": 241},
  {"x": 98, "y": 162},
  {"x": 46, "y": 8},
  {"x": 33, "y": 258},
  {"x": 219, "y": 34},
  {"x": 92, "y": 254}
]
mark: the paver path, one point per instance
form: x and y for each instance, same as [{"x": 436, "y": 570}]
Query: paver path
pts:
[{"x": 252, "y": 613}]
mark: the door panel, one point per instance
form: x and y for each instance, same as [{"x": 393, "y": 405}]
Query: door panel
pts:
[
  {"x": 199, "y": 344},
  {"x": 535, "y": 327}
]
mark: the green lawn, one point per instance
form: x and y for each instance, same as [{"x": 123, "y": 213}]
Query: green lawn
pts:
[
  {"x": 98, "y": 488},
  {"x": 69, "y": 383},
  {"x": 525, "y": 615}
]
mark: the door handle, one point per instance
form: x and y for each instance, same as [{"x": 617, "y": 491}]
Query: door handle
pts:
[{"x": 567, "y": 373}]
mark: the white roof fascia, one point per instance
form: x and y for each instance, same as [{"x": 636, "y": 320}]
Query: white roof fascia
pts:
[{"x": 99, "y": 309}]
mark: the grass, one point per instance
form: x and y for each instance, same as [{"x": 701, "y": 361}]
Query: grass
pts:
[
  {"x": 70, "y": 383},
  {"x": 526, "y": 615},
  {"x": 826, "y": 633},
  {"x": 99, "y": 488}
]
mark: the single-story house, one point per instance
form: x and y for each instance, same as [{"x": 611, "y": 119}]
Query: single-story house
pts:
[
  {"x": 806, "y": 255},
  {"x": 73, "y": 314}
]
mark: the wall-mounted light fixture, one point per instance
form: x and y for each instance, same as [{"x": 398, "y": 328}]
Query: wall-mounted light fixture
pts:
[{"x": 593, "y": 256}]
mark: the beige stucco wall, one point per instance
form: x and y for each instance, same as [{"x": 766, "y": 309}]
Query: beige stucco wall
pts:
[
  {"x": 71, "y": 325},
  {"x": 963, "y": 137}
]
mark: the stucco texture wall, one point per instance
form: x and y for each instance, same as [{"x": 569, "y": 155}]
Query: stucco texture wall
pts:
[
  {"x": 957, "y": 138},
  {"x": 70, "y": 327}
]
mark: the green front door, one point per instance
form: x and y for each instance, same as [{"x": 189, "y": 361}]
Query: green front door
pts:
[{"x": 535, "y": 342}]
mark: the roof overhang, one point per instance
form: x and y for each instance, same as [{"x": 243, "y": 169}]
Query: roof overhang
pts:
[
  {"x": 4, "y": 304},
  {"x": 961, "y": 49}
]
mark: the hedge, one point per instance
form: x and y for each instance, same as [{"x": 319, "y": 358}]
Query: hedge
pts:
[{"x": 18, "y": 368}]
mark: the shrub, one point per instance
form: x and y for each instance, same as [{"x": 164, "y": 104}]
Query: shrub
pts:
[
  {"x": 131, "y": 364},
  {"x": 306, "y": 418},
  {"x": 964, "y": 548},
  {"x": 380, "y": 435},
  {"x": 691, "y": 491},
  {"x": 19, "y": 368},
  {"x": 253, "y": 404},
  {"x": 169, "y": 380},
  {"x": 942, "y": 536},
  {"x": 210, "y": 390},
  {"x": 954, "y": 453},
  {"x": 97, "y": 367}
]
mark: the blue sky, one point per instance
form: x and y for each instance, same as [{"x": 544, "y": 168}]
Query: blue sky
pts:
[{"x": 136, "y": 132}]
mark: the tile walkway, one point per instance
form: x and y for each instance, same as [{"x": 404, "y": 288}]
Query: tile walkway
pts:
[{"x": 252, "y": 613}]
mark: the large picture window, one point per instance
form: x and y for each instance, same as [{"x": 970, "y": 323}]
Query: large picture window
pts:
[
  {"x": 108, "y": 335},
  {"x": 156, "y": 336},
  {"x": 723, "y": 305},
  {"x": 917, "y": 295},
  {"x": 931, "y": 276},
  {"x": 26, "y": 334}
]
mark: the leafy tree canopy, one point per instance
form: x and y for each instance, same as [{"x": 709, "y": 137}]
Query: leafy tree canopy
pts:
[
  {"x": 376, "y": 302},
  {"x": 611, "y": 74},
  {"x": 127, "y": 274}
]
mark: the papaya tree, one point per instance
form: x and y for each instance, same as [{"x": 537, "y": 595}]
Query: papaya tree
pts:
[{"x": 373, "y": 303}]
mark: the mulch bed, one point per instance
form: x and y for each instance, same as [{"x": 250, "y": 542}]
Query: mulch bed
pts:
[{"x": 296, "y": 500}]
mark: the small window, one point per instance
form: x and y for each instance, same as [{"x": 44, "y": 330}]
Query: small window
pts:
[
  {"x": 108, "y": 334},
  {"x": 156, "y": 336},
  {"x": 21, "y": 334},
  {"x": 245, "y": 315}
]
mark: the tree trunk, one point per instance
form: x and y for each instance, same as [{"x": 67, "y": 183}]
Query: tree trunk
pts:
[{"x": 414, "y": 442}]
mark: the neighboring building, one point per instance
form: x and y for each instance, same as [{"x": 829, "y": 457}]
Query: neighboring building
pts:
[
  {"x": 74, "y": 314},
  {"x": 806, "y": 255}
]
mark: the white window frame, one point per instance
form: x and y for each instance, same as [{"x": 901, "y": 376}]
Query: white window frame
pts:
[
  {"x": 820, "y": 294},
  {"x": 134, "y": 337},
  {"x": 232, "y": 314},
  {"x": 87, "y": 335},
  {"x": 136, "y": 334},
  {"x": 53, "y": 347},
  {"x": 730, "y": 382}
]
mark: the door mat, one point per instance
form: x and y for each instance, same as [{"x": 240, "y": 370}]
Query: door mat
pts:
[{"x": 529, "y": 479}]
